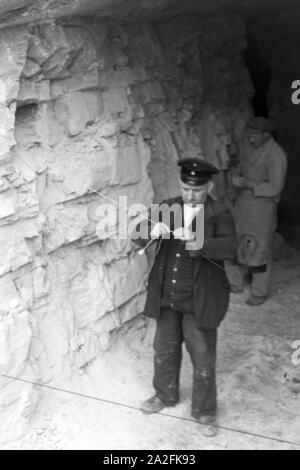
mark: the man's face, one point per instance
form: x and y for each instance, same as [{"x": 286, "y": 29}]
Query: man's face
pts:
[
  {"x": 195, "y": 194},
  {"x": 256, "y": 139}
]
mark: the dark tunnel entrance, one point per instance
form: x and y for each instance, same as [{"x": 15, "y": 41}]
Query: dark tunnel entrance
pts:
[
  {"x": 261, "y": 75},
  {"x": 272, "y": 59}
]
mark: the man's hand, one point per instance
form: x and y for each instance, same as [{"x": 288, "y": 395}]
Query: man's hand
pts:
[
  {"x": 242, "y": 183},
  {"x": 159, "y": 230},
  {"x": 184, "y": 234}
]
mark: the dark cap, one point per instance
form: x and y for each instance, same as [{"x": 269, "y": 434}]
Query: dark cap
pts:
[
  {"x": 259, "y": 124},
  {"x": 195, "y": 171}
]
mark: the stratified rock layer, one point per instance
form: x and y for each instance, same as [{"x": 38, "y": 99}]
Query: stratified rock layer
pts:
[{"x": 91, "y": 111}]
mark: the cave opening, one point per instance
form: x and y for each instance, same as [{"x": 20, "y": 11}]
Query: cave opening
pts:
[
  {"x": 271, "y": 57},
  {"x": 260, "y": 73}
]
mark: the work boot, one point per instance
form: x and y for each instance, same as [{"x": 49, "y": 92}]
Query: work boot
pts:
[
  {"x": 209, "y": 428},
  {"x": 255, "y": 301},
  {"x": 152, "y": 405}
]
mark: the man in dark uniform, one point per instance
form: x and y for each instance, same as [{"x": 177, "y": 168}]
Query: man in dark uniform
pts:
[{"x": 188, "y": 294}]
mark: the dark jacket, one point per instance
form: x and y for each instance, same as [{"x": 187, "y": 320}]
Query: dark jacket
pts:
[{"x": 211, "y": 287}]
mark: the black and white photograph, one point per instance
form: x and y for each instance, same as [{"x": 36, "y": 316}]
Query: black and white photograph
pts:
[{"x": 149, "y": 227}]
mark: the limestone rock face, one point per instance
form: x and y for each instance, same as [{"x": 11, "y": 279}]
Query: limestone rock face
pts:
[{"x": 93, "y": 113}]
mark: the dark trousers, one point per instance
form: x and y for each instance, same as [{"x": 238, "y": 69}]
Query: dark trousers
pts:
[{"x": 173, "y": 328}]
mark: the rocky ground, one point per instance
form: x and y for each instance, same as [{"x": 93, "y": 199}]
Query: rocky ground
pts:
[{"x": 259, "y": 388}]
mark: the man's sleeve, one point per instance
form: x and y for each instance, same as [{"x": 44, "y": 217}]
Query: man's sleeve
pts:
[
  {"x": 276, "y": 177},
  {"x": 223, "y": 245},
  {"x": 139, "y": 231}
]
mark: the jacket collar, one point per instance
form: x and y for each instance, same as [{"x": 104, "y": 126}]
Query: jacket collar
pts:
[{"x": 209, "y": 211}]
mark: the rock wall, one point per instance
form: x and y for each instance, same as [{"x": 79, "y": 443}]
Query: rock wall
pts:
[{"x": 92, "y": 108}]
